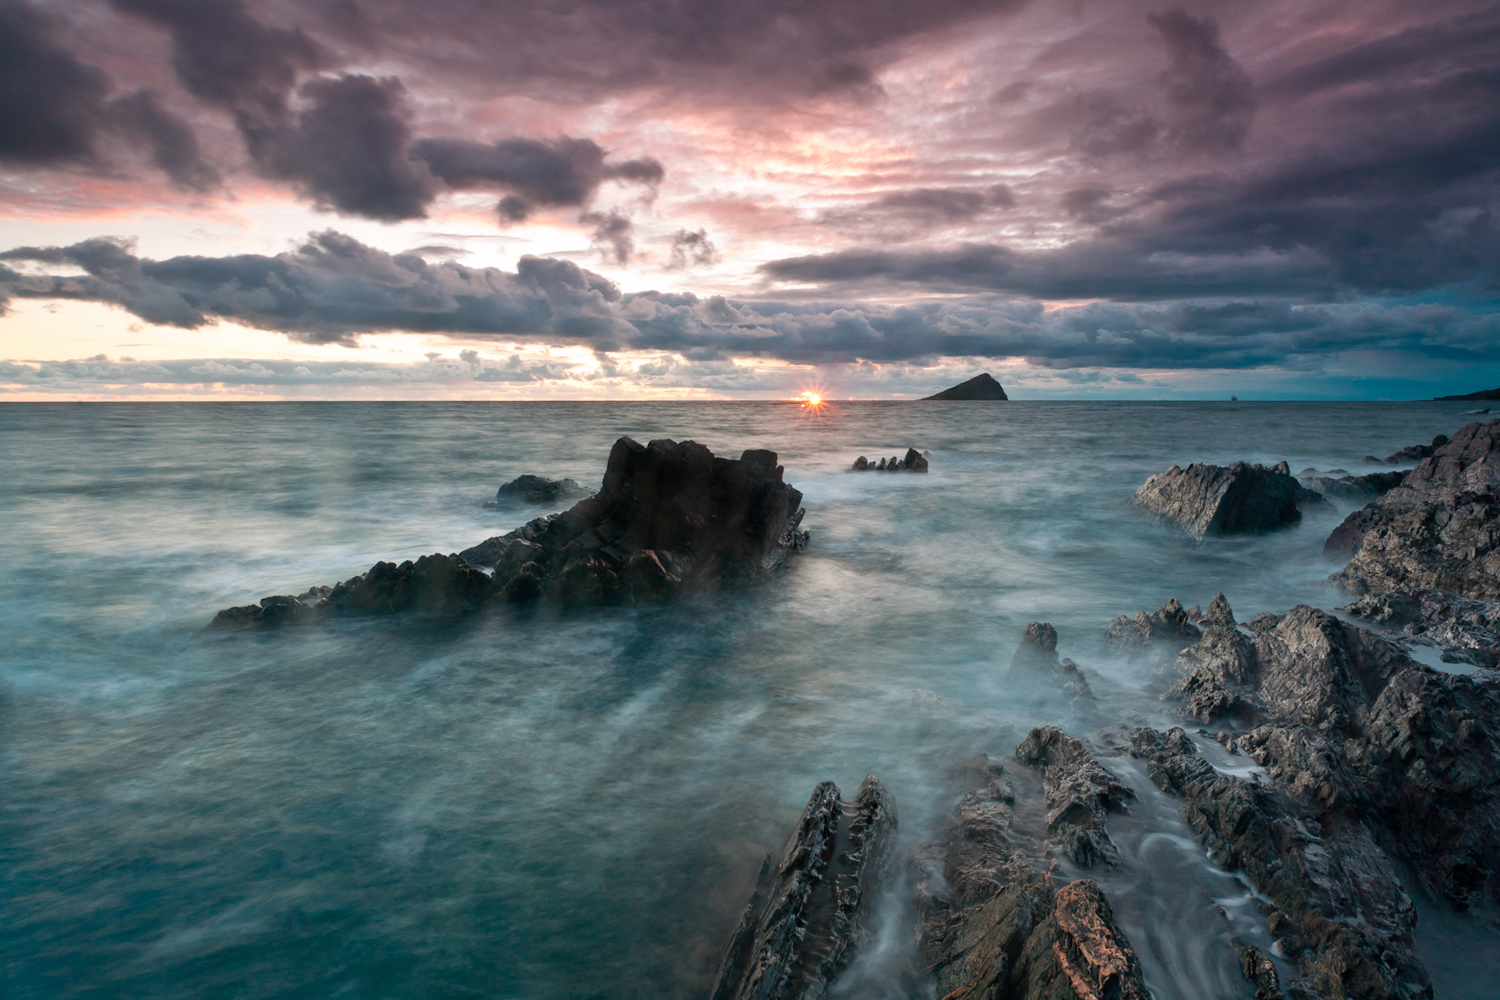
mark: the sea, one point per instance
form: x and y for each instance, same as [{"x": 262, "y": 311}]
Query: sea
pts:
[{"x": 544, "y": 803}]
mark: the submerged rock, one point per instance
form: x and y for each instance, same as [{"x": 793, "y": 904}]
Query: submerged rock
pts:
[
  {"x": 1223, "y": 500},
  {"x": 1168, "y": 623},
  {"x": 1036, "y": 667},
  {"x": 808, "y": 916},
  {"x": 670, "y": 518},
  {"x": 537, "y": 490},
  {"x": 1348, "y": 487},
  {"x": 914, "y": 461}
]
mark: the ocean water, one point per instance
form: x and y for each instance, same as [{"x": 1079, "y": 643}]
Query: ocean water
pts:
[{"x": 532, "y": 803}]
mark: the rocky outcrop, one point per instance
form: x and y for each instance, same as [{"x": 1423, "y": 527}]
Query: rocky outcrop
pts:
[
  {"x": 1079, "y": 792},
  {"x": 1347, "y": 487},
  {"x": 1216, "y": 675},
  {"x": 529, "y": 489},
  {"x": 808, "y": 915},
  {"x": 1439, "y": 529},
  {"x": 1466, "y": 630},
  {"x": 914, "y": 461},
  {"x": 670, "y": 518},
  {"x": 1341, "y": 915},
  {"x": 1035, "y": 667},
  {"x": 1486, "y": 395},
  {"x": 980, "y": 387},
  {"x": 1413, "y": 453},
  {"x": 1167, "y": 624},
  {"x": 1353, "y": 723},
  {"x": 1239, "y": 498}
]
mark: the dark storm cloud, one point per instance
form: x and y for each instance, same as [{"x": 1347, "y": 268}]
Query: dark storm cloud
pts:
[
  {"x": 1211, "y": 97},
  {"x": 50, "y": 103},
  {"x": 347, "y": 150},
  {"x": 560, "y": 172},
  {"x": 56, "y": 109},
  {"x": 611, "y": 235},
  {"x": 333, "y": 288}
]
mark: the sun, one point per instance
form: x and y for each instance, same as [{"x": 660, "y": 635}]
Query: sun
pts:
[{"x": 812, "y": 399}]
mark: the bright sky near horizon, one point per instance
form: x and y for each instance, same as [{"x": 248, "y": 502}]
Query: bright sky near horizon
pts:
[{"x": 261, "y": 199}]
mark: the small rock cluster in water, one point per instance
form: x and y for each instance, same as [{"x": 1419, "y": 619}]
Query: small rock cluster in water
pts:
[{"x": 914, "y": 461}]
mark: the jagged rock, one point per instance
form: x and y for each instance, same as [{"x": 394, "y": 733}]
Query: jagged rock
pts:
[
  {"x": 1416, "y": 452},
  {"x": 806, "y": 919},
  {"x": 1349, "y": 487},
  {"x": 1217, "y": 674},
  {"x": 1466, "y": 630},
  {"x": 1440, "y": 528},
  {"x": 1036, "y": 667},
  {"x": 1079, "y": 791},
  {"x": 1168, "y": 623},
  {"x": 1353, "y": 721},
  {"x": 537, "y": 490},
  {"x": 914, "y": 461},
  {"x": 1219, "y": 612},
  {"x": 1221, "y": 500},
  {"x": 670, "y": 517},
  {"x": 980, "y": 387},
  {"x": 1342, "y": 917},
  {"x": 1260, "y": 972}
]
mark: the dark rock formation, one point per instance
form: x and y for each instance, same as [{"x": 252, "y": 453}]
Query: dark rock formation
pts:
[
  {"x": 1416, "y": 452},
  {"x": 1466, "y": 630},
  {"x": 1217, "y": 675},
  {"x": 914, "y": 461},
  {"x": 1036, "y": 667},
  {"x": 980, "y": 387},
  {"x": 1168, "y": 623},
  {"x": 1348, "y": 487},
  {"x": 671, "y": 517},
  {"x": 537, "y": 490},
  {"x": 806, "y": 919},
  {"x": 1260, "y": 972},
  {"x": 1353, "y": 723},
  {"x": 1079, "y": 791},
  {"x": 1341, "y": 915},
  {"x": 1483, "y": 396},
  {"x": 1439, "y": 529},
  {"x": 1221, "y": 500}
]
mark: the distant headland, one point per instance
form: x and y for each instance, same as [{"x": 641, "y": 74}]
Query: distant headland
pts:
[
  {"x": 978, "y": 387},
  {"x": 1487, "y": 395}
]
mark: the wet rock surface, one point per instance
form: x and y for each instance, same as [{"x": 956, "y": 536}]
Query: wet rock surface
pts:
[
  {"x": 1347, "y": 487},
  {"x": 1167, "y": 625},
  {"x": 1466, "y": 630},
  {"x": 1079, "y": 792},
  {"x": 671, "y": 518},
  {"x": 1439, "y": 529},
  {"x": 1239, "y": 498},
  {"x": 1341, "y": 915},
  {"x": 1350, "y": 722},
  {"x": 529, "y": 489},
  {"x": 913, "y": 461},
  {"x": 808, "y": 916},
  {"x": 1036, "y": 668}
]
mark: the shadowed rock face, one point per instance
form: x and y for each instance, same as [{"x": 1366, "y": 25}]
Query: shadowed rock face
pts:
[
  {"x": 1224, "y": 500},
  {"x": 1466, "y": 630},
  {"x": 980, "y": 387},
  {"x": 1439, "y": 529},
  {"x": 1342, "y": 917},
  {"x": 1035, "y": 667},
  {"x": 1353, "y": 487},
  {"x": 670, "y": 517},
  {"x": 1352, "y": 722},
  {"x": 807, "y": 918},
  {"x": 994, "y": 928},
  {"x": 1079, "y": 791},
  {"x": 1168, "y": 623}
]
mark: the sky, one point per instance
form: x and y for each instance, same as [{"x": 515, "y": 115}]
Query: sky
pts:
[{"x": 617, "y": 199}]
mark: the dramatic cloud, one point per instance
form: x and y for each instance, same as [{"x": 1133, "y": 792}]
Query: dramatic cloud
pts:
[
  {"x": 563, "y": 172},
  {"x": 1212, "y": 98},
  {"x": 333, "y": 288}
]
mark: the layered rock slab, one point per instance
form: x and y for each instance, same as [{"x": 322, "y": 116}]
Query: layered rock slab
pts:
[
  {"x": 1239, "y": 498},
  {"x": 809, "y": 913}
]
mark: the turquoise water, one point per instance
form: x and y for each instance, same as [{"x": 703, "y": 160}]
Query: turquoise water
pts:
[{"x": 537, "y": 804}]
